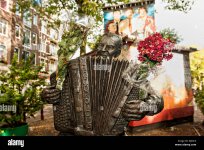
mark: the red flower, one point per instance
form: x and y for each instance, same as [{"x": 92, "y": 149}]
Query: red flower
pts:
[{"x": 155, "y": 48}]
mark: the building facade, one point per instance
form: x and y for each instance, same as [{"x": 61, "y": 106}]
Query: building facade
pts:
[{"x": 25, "y": 34}]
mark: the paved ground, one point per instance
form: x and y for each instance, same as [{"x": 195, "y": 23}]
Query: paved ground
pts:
[
  {"x": 38, "y": 127},
  {"x": 45, "y": 127}
]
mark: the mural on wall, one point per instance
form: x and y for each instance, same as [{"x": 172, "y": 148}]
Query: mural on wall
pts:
[{"x": 134, "y": 24}]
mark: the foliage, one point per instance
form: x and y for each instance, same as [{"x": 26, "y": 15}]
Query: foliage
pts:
[
  {"x": 21, "y": 88},
  {"x": 72, "y": 41},
  {"x": 199, "y": 98},
  {"x": 79, "y": 7},
  {"x": 86, "y": 7},
  {"x": 171, "y": 34},
  {"x": 180, "y": 5},
  {"x": 197, "y": 71},
  {"x": 58, "y": 12}
]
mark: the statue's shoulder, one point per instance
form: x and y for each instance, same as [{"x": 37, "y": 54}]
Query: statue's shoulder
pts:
[
  {"x": 109, "y": 34},
  {"x": 75, "y": 60}
]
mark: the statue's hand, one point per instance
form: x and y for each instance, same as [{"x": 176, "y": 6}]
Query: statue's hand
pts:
[
  {"x": 51, "y": 95},
  {"x": 155, "y": 105},
  {"x": 132, "y": 110}
]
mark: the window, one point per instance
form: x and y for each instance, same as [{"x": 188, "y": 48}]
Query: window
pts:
[
  {"x": 34, "y": 38},
  {"x": 17, "y": 10},
  {"x": 43, "y": 46},
  {"x": 17, "y": 31},
  {"x": 53, "y": 49},
  {"x": 42, "y": 62},
  {"x": 1, "y": 92},
  {"x": 25, "y": 55},
  {"x": 4, "y": 4},
  {"x": 33, "y": 59},
  {"x": 37, "y": 2},
  {"x": 44, "y": 27},
  {"x": 53, "y": 34},
  {"x": 3, "y": 53},
  {"x": 27, "y": 19},
  {"x": 35, "y": 19},
  {"x": 27, "y": 38},
  {"x": 16, "y": 52},
  {"x": 3, "y": 26},
  {"x": 52, "y": 67}
]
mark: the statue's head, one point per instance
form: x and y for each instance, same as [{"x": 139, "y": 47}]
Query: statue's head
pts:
[{"x": 109, "y": 45}]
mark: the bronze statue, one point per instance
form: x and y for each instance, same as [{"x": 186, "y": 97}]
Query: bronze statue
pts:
[{"x": 101, "y": 94}]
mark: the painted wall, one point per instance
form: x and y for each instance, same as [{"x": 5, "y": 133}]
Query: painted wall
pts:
[{"x": 135, "y": 24}]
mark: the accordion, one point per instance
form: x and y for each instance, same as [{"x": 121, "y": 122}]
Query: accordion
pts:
[{"x": 93, "y": 95}]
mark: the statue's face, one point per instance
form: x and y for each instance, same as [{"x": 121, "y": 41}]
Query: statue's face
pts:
[
  {"x": 112, "y": 28},
  {"x": 110, "y": 45}
]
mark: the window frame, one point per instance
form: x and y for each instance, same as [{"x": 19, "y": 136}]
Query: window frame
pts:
[
  {"x": 43, "y": 45},
  {"x": 53, "y": 49},
  {"x": 30, "y": 39},
  {"x": 27, "y": 20},
  {"x": 4, "y": 52},
  {"x": 54, "y": 66},
  {"x": 19, "y": 28},
  {"x": 17, "y": 12},
  {"x": 26, "y": 52},
  {"x": 2, "y": 21},
  {"x": 44, "y": 66},
  {"x": 18, "y": 52},
  {"x": 44, "y": 29},
  {"x": 36, "y": 38},
  {"x": 35, "y": 21},
  {"x": 55, "y": 32}
]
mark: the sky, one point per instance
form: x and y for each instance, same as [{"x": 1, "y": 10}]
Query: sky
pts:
[{"x": 190, "y": 26}]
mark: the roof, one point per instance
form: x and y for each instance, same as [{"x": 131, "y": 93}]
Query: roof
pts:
[
  {"x": 181, "y": 49},
  {"x": 132, "y": 4}
]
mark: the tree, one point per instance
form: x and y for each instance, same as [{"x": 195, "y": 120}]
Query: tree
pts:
[
  {"x": 20, "y": 87},
  {"x": 197, "y": 71},
  {"x": 180, "y": 5}
]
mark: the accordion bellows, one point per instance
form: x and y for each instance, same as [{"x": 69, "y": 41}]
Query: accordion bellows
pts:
[{"x": 93, "y": 95}]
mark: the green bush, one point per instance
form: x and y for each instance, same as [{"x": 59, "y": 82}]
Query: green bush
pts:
[
  {"x": 20, "y": 88},
  {"x": 197, "y": 71},
  {"x": 199, "y": 98}
]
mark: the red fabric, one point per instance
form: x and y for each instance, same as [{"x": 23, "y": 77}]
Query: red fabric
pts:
[{"x": 167, "y": 114}]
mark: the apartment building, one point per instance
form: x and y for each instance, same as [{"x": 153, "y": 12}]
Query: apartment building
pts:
[{"x": 26, "y": 34}]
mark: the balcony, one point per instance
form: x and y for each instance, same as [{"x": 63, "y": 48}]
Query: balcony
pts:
[
  {"x": 53, "y": 57},
  {"x": 27, "y": 46},
  {"x": 35, "y": 47},
  {"x": 43, "y": 47},
  {"x": 32, "y": 47},
  {"x": 27, "y": 23}
]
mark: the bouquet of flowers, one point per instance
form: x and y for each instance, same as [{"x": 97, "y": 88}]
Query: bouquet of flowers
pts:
[
  {"x": 152, "y": 51},
  {"x": 157, "y": 47}
]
